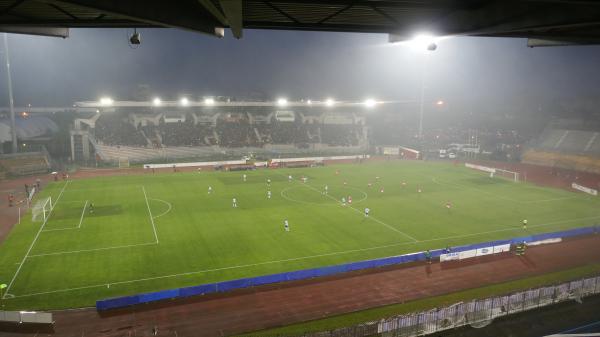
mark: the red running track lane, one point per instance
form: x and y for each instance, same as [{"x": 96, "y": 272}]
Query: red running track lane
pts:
[{"x": 295, "y": 302}]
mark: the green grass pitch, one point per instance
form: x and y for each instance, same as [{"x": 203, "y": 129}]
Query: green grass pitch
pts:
[{"x": 159, "y": 231}]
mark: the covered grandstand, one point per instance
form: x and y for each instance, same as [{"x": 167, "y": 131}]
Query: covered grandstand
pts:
[{"x": 144, "y": 132}]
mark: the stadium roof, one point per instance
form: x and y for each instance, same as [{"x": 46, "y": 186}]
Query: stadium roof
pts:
[
  {"x": 28, "y": 128},
  {"x": 555, "y": 21},
  {"x": 191, "y": 103}
]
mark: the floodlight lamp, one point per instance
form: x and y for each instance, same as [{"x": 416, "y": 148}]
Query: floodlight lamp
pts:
[
  {"x": 106, "y": 101},
  {"x": 209, "y": 101},
  {"x": 156, "y": 101},
  {"x": 282, "y": 102},
  {"x": 423, "y": 42},
  {"x": 184, "y": 101},
  {"x": 309, "y": 102},
  {"x": 329, "y": 102},
  {"x": 440, "y": 103},
  {"x": 370, "y": 103}
]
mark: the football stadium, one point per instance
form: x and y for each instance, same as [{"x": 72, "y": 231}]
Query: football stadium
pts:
[{"x": 461, "y": 202}]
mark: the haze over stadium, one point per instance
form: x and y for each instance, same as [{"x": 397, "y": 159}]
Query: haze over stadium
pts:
[{"x": 298, "y": 183}]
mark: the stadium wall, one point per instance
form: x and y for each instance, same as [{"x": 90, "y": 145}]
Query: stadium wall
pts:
[{"x": 220, "y": 287}]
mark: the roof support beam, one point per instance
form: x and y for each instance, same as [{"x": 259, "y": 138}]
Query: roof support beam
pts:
[
  {"x": 11, "y": 7},
  {"x": 42, "y": 31},
  {"x": 208, "y": 5},
  {"x": 278, "y": 10},
  {"x": 233, "y": 13},
  {"x": 154, "y": 12}
]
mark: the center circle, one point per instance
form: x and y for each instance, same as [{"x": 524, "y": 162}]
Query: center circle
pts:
[{"x": 309, "y": 195}]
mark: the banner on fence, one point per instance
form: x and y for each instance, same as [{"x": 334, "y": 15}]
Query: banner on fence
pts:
[
  {"x": 458, "y": 253},
  {"x": 584, "y": 189},
  {"x": 449, "y": 257},
  {"x": 544, "y": 242},
  {"x": 485, "y": 251},
  {"x": 502, "y": 248},
  {"x": 470, "y": 253},
  {"x": 481, "y": 168}
]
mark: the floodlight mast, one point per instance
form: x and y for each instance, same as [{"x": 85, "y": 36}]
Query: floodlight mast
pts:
[
  {"x": 426, "y": 43},
  {"x": 13, "y": 127}
]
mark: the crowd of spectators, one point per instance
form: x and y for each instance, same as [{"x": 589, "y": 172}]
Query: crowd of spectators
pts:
[
  {"x": 113, "y": 130},
  {"x": 230, "y": 133}
]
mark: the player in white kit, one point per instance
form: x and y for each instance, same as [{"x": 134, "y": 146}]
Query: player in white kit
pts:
[
  {"x": 234, "y": 203},
  {"x": 286, "y": 225}
]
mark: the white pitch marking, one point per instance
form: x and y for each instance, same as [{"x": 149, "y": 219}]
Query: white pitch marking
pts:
[
  {"x": 360, "y": 212},
  {"x": 150, "y": 212},
  {"x": 82, "y": 213},
  {"x": 68, "y": 228},
  {"x": 35, "y": 239},
  {"x": 293, "y": 259},
  {"x": 93, "y": 249},
  {"x": 165, "y": 212},
  {"x": 496, "y": 195}
]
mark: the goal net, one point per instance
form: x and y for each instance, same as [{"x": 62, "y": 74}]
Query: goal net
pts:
[
  {"x": 123, "y": 162},
  {"x": 41, "y": 209},
  {"x": 495, "y": 172},
  {"x": 514, "y": 176}
]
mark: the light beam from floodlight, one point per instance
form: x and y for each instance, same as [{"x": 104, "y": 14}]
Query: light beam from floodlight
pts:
[
  {"x": 282, "y": 102},
  {"x": 106, "y": 101},
  {"x": 209, "y": 101},
  {"x": 369, "y": 103},
  {"x": 423, "y": 42},
  {"x": 329, "y": 102},
  {"x": 156, "y": 101},
  {"x": 184, "y": 101}
]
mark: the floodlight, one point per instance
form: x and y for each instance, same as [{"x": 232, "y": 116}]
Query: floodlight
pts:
[
  {"x": 439, "y": 103},
  {"x": 369, "y": 103},
  {"x": 209, "y": 101},
  {"x": 329, "y": 102},
  {"x": 156, "y": 101},
  {"x": 106, "y": 101},
  {"x": 309, "y": 102},
  {"x": 282, "y": 102},
  {"x": 423, "y": 42},
  {"x": 184, "y": 101}
]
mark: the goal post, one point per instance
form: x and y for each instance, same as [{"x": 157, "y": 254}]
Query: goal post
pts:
[
  {"x": 495, "y": 172},
  {"x": 41, "y": 209},
  {"x": 514, "y": 176},
  {"x": 123, "y": 162}
]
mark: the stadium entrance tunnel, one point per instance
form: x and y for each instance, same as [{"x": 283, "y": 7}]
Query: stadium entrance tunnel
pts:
[{"x": 305, "y": 194}]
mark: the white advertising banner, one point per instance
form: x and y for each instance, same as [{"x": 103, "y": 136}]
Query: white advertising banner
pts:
[
  {"x": 485, "y": 251},
  {"x": 449, "y": 257},
  {"x": 481, "y": 168},
  {"x": 467, "y": 254},
  {"x": 502, "y": 248},
  {"x": 584, "y": 189}
]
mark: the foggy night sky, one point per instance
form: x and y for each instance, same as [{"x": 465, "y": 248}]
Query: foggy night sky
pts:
[{"x": 483, "y": 72}]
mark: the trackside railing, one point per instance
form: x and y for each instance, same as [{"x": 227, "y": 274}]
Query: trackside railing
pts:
[{"x": 477, "y": 313}]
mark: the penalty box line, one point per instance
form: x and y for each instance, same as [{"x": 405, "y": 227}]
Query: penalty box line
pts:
[
  {"x": 288, "y": 260},
  {"x": 155, "y": 242},
  {"x": 37, "y": 235},
  {"x": 67, "y": 228}
]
